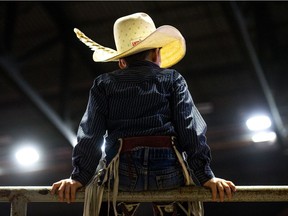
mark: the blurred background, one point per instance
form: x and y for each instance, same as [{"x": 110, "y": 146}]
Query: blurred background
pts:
[{"x": 235, "y": 66}]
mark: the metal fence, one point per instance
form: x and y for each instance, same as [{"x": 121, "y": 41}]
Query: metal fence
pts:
[{"x": 20, "y": 196}]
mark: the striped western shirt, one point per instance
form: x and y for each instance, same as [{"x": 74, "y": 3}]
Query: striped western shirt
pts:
[{"x": 141, "y": 100}]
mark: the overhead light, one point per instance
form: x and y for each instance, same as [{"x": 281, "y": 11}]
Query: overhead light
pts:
[
  {"x": 27, "y": 156},
  {"x": 258, "y": 123},
  {"x": 265, "y": 136}
]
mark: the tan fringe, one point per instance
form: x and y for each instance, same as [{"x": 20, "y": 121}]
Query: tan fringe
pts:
[
  {"x": 94, "y": 191},
  {"x": 195, "y": 208}
]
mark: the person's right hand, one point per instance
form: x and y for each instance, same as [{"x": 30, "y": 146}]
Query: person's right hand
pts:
[
  {"x": 220, "y": 188},
  {"x": 66, "y": 189}
]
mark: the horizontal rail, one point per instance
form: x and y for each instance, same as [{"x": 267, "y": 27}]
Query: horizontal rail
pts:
[
  {"x": 20, "y": 196},
  {"x": 189, "y": 193}
]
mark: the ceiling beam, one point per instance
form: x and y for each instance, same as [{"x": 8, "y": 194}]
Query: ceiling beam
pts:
[{"x": 13, "y": 73}]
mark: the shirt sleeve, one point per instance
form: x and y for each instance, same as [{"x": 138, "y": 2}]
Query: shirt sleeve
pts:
[
  {"x": 90, "y": 137},
  {"x": 191, "y": 129}
]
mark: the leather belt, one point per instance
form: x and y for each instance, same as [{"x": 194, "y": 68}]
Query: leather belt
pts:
[{"x": 146, "y": 141}]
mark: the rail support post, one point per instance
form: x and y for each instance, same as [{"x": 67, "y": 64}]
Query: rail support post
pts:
[{"x": 19, "y": 206}]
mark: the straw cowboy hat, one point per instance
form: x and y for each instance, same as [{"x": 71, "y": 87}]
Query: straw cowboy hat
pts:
[{"x": 136, "y": 33}]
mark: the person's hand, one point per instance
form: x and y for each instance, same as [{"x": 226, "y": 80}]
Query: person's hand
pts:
[
  {"x": 66, "y": 189},
  {"x": 220, "y": 188}
]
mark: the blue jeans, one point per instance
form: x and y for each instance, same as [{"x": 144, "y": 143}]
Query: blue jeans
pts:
[{"x": 147, "y": 168}]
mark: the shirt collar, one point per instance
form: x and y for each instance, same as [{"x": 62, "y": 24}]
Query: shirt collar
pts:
[{"x": 143, "y": 63}]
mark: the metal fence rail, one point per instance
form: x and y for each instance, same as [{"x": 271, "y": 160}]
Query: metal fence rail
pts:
[{"x": 20, "y": 196}]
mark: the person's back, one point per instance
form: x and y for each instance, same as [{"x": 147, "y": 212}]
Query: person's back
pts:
[{"x": 139, "y": 102}]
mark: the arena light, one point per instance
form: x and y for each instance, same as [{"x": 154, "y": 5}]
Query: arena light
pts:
[
  {"x": 258, "y": 123},
  {"x": 27, "y": 155},
  {"x": 265, "y": 136}
]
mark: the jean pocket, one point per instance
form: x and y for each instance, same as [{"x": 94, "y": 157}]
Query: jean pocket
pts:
[
  {"x": 127, "y": 177},
  {"x": 170, "y": 178}
]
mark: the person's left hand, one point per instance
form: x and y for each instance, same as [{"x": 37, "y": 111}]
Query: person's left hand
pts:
[
  {"x": 219, "y": 188},
  {"x": 66, "y": 189}
]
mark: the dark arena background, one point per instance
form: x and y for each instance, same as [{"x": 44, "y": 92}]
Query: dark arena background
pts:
[{"x": 236, "y": 67}]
